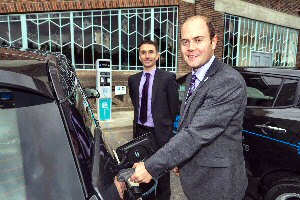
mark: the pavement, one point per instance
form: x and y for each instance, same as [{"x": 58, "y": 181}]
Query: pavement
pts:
[{"x": 118, "y": 131}]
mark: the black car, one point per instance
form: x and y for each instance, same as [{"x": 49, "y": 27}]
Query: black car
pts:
[
  {"x": 271, "y": 129},
  {"x": 48, "y": 148},
  {"x": 271, "y": 132}
]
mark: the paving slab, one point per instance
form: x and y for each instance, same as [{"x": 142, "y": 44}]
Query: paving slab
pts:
[{"x": 118, "y": 120}]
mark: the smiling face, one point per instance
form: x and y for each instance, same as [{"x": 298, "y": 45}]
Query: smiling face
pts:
[
  {"x": 197, "y": 47},
  {"x": 148, "y": 56}
]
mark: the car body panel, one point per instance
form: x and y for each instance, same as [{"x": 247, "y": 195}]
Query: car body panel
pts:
[
  {"x": 264, "y": 149},
  {"x": 50, "y": 132},
  {"x": 47, "y": 155}
]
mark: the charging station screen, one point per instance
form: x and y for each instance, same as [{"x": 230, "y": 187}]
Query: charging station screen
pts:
[{"x": 104, "y": 64}]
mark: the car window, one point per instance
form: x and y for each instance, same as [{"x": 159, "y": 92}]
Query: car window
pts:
[
  {"x": 261, "y": 90},
  {"x": 287, "y": 93},
  {"x": 12, "y": 180}
]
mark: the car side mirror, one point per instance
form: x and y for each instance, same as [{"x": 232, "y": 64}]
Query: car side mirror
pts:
[{"x": 91, "y": 93}]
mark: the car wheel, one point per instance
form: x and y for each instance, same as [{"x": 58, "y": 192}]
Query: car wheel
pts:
[{"x": 285, "y": 189}]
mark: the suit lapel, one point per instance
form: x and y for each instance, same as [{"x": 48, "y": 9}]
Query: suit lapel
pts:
[
  {"x": 187, "y": 85},
  {"x": 156, "y": 83},
  {"x": 136, "y": 86},
  {"x": 210, "y": 72}
]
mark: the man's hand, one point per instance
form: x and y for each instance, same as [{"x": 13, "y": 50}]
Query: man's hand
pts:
[
  {"x": 140, "y": 175},
  {"x": 121, "y": 187},
  {"x": 176, "y": 171}
]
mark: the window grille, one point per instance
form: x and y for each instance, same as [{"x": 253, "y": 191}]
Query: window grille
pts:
[
  {"x": 243, "y": 36},
  {"x": 84, "y": 36}
]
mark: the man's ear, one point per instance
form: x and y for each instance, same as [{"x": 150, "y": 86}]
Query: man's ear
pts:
[
  {"x": 157, "y": 56},
  {"x": 214, "y": 42}
]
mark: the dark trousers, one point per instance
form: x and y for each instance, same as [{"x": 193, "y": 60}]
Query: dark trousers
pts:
[{"x": 163, "y": 189}]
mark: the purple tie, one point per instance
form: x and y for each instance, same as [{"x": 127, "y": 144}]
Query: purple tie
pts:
[
  {"x": 192, "y": 88},
  {"x": 144, "y": 100}
]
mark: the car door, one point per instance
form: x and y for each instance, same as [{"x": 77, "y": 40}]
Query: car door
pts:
[{"x": 271, "y": 124}]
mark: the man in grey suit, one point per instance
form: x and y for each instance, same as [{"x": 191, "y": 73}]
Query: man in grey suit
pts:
[
  {"x": 154, "y": 95},
  {"x": 208, "y": 146}
]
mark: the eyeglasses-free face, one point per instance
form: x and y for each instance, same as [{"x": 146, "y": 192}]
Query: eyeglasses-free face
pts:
[
  {"x": 196, "y": 46},
  {"x": 148, "y": 55}
]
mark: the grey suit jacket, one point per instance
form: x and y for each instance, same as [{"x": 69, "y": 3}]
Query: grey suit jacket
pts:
[
  {"x": 165, "y": 103},
  {"x": 208, "y": 146}
]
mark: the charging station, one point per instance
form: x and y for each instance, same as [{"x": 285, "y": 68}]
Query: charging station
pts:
[{"x": 104, "y": 86}]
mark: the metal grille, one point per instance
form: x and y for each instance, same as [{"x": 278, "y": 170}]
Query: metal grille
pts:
[
  {"x": 243, "y": 37},
  {"x": 10, "y": 31},
  {"x": 84, "y": 36}
]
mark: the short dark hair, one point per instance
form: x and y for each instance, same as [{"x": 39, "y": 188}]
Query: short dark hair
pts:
[{"x": 147, "y": 41}]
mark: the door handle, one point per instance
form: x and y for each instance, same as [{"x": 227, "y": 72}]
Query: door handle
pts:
[{"x": 272, "y": 128}]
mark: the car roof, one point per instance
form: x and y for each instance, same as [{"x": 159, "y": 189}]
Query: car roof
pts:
[
  {"x": 24, "y": 62},
  {"x": 24, "y": 69},
  {"x": 52, "y": 68},
  {"x": 286, "y": 72}
]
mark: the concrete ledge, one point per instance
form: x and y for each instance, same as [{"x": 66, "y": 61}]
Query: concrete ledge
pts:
[{"x": 260, "y": 13}]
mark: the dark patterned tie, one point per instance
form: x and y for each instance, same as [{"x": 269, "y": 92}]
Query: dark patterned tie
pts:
[
  {"x": 192, "y": 88},
  {"x": 144, "y": 100}
]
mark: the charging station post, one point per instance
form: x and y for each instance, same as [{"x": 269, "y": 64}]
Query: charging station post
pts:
[{"x": 104, "y": 86}]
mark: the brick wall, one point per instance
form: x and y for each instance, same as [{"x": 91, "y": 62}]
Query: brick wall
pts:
[
  {"x": 206, "y": 7},
  {"x": 186, "y": 10},
  {"x": 13, "y": 54},
  {"x": 23, "y": 6}
]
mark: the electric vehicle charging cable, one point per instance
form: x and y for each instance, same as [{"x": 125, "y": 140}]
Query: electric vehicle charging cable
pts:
[
  {"x": 129, "y": 171},
  {"x": 112, "y": 135},
  {"x": 133, "y": 188}
]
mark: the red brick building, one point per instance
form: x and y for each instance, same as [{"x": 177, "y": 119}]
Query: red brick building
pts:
[{"x": 251, "y": 32}]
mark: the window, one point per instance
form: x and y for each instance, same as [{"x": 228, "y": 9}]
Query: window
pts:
[
  {"x": 12, "y": 176},
  {"x": 10, "y": 31},
  {"x": 243, "y": 37},
  {"x": 287, "y": 93},
  {"x": 261, "y": 90},
  {"x": 84, "y": 36}
]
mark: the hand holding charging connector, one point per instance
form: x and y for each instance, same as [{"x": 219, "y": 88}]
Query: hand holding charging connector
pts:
[
  {"x": 133, "y": 188},
  {"x": 125, "y": 174}
]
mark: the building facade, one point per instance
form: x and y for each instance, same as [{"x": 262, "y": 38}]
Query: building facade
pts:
[{"x": 250, "y": 32}]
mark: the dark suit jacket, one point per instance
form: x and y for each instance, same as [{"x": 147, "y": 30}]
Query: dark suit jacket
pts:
[
  {"x": 164, "y": 103},
  {"x": 208, "y": 146}
]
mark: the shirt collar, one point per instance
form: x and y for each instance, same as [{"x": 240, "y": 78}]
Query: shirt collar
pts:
[
  {"x": 152, "y": 72},
  {"x": 200, "y": 73}
]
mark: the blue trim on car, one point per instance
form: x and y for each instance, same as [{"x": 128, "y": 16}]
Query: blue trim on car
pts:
[{"x": 280, "y": 141}]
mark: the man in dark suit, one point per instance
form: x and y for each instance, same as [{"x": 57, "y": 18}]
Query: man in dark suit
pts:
[
  {"x": 208, "y": 146},
  {"x": 154, "y": 95}
]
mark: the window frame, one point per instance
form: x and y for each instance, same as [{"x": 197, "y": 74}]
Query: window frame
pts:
[
  {"x": 242, "y": 36},
  {"x": 57, "y": 41},
  {"x": 284, "y": 78}
]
